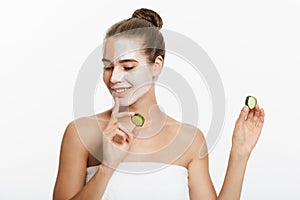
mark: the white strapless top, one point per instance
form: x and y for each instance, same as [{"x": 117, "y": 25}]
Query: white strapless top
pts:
[{"x": 145, "y": 181}]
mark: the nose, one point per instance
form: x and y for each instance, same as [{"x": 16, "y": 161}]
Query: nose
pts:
[{"x": 117, "y": 75}]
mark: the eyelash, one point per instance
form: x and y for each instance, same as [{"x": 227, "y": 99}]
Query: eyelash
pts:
[
  {"x": 128, "y": 68},
  {"x": 107, "y": 68},
  {"x": 110, "y": 68}
]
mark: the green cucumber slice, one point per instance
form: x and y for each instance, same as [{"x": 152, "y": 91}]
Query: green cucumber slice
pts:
[
  {"x": 251, "y": 102},
  {"x": 138, "y": 119}
]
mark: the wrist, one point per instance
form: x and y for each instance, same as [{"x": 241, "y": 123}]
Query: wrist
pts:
[
  {"x": 105, "y": 170},
  {"x": 238, "y": 154}
]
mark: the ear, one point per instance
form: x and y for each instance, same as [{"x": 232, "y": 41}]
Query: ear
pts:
[{"x": 157, "y": 66}]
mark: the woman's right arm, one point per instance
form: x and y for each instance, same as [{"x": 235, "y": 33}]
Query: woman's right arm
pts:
[{"x": 70, "y": 182}]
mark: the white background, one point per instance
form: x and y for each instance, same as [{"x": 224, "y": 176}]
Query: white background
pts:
[{"x": 255, "y": 46}]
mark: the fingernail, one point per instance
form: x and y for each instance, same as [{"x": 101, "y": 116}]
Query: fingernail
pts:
[{"x": 132, "y": 113}]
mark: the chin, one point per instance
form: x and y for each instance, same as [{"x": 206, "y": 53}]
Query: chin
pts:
[
  {"x": 126, "y": 102},
  {"x": 132, "y": 98}
]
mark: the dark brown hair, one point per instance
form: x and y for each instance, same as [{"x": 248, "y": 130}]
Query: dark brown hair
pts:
[{"x": 144, "y": 23}]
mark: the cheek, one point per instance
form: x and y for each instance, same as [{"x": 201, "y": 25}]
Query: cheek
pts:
[
  {"x": 106, "y": 77},
  {"x": 140, "y": 77}
]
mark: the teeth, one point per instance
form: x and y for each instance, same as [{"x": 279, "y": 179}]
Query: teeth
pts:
[{"x": 121, "y": 90}]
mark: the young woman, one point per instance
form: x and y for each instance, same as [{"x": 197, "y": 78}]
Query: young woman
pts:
[{"x": 107, "y": 157}]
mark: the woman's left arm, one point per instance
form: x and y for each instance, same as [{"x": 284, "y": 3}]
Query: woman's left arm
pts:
[
  {"x": 245, "y": 136},
  {"x": 246, "y": 133}
]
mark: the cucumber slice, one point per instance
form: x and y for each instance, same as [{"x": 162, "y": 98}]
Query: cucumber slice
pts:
[
  {"x": 138, "y": 119},
  {"x": 251, "y": 102}
]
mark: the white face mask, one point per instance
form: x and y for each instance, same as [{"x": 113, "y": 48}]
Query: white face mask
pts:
[{"x": 133, "y": 83}]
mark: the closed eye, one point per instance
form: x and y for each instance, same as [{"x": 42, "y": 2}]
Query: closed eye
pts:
[
  {"x": 108, "y": 68},
  {"x": 128, "y": 68}
]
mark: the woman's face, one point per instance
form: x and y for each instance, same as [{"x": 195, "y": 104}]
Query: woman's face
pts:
[{"x": 126, "y": 74}]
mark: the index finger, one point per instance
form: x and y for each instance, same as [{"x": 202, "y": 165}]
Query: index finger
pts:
[{"x": 116, "y": 106}]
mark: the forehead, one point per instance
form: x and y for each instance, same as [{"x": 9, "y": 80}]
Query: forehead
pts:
[{"x": 123, "y": 48}]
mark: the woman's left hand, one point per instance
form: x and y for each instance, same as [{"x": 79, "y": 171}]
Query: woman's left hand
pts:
[{"x": 247, "y": 130}]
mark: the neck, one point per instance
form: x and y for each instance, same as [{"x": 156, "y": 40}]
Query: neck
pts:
[{"x": 148, "y": 107}]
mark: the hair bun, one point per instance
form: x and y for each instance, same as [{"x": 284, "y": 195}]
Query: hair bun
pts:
[{"x": 148, "y": 15}]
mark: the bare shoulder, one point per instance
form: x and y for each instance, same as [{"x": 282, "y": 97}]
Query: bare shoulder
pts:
[
  {"x": 76, "y": 147},
  {"x": 187, "y": 131},
  {"x": 189, "y": 137},
  {"x": 90, "y": 123},
  {"x": 77, "y": 136},
  {"x": 87, "y": 130},
  {"x": 89, "y": 126},
  {"x": 196, "y": 138},
  {"x": 199, "y": 138}
]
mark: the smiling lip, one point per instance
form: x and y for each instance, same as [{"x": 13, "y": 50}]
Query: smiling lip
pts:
[{"x": 120, "y": 92}]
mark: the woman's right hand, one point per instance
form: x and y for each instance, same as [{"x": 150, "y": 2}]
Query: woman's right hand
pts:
[{"x": 117, "y": 142}]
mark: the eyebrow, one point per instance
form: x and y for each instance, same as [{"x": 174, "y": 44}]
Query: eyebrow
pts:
[
  {"x": 120, "y": 61},
  {"x": 105, "y": 60}
]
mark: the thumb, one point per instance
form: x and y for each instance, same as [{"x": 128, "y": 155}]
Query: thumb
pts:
[{"x": 115, "y": 109}]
